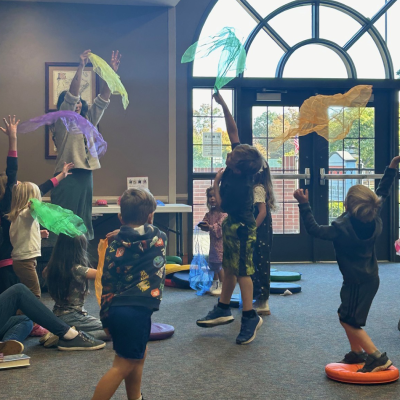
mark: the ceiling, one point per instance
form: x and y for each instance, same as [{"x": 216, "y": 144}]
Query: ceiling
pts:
[{"x": 160, "y": 3}]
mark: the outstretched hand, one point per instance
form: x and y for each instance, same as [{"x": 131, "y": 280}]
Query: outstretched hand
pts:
[
  {"x": 395, "y": 162},
  {"x": 115, "y": 60},
  {"x": 84, "y": 57},
  {"x": 11, "y": 126},
  {"x": 301, "y": 196},
  {"x": 218, "y": 98},
  {"x": 67, "y": 168}
]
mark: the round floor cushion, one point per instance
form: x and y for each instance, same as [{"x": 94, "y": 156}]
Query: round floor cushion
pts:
[
  {"x": 169, "y": 282},
  {"x": 273, "y": 270},
  {"x": 281, "y": 287},
  {"x": 181, "y": 279},
  {"x": 347, "y": 373},
  {"x": 174, "y": 260},
  {"x": 284, "y": 276},
  {"x": 161, "y": 331},
  {"x": 172, "y": 268}
]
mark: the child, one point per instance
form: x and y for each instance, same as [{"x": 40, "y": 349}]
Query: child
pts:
[
  {"x": 239, "y": 231},
  {"x": 133, "y": 280},
  {"x": 7, "y": 182},
  {"x": 76, "y": 192},
  {"x": 212, "y": 222},
  {"x": 25, "y": 233},
  {"x": 354, "y": 234},
  {"x": 67, "y": 277},
  {"x": 264, "y": 200}
]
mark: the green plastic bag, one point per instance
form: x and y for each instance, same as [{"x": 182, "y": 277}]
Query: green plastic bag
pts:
[
  {"x": 57, "y": 219},
  {"x": 110, "y": 77},
  {"x": 232, "y": 58}
]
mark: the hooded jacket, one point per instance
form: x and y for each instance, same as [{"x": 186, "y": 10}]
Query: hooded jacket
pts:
[
  {"x": 355, "y": 253},
  {"x": 134, "y": 269}
]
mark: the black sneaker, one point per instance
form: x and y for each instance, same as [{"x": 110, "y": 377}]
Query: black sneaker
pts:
[
  {"x": 81, "y": 342},
  {"x": 354, "y": 358},
  {"x": 373, "y": 364}
]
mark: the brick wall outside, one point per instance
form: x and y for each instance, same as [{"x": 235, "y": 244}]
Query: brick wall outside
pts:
[{"x": 285, "y": 219}]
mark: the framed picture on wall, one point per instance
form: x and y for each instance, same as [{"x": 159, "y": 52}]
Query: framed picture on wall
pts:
[
  {"x": 58, "y": 77},
  {"x": 50, "y": 147}
]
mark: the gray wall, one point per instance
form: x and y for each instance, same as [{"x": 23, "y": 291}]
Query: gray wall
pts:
[{"x": 35, "y": 33}]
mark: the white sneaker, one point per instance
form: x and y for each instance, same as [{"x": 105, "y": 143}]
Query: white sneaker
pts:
[
  {"x": 213, "y": 287},
  {"x": 218, "y": 290},
  {"x": 262, "y": 307}
]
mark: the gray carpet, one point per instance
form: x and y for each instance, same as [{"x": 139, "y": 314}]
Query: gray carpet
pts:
[{"x": 286, "y": 361}]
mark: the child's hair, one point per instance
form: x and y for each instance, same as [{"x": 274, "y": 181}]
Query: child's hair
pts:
[
  {"x": 263, "y": 177},
  {"x": 208, "y": 191},
  {"x": 3, "y": 183},
  {"x": 362, "y": 203},
  {"x": 85, "y": 106},
  {"x": 21, "y": 194},
  {"x": 136, "y": 206},
  {"x": 248, "y": 160},
  {"x": 67, "y": 253}
]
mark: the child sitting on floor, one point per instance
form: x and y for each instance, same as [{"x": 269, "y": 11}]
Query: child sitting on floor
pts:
[
  {"x": 235, "y": 197},
  {"x": 212, "y": 223},
  {"x": 354, "y": 234},
  {"x": 133, "y": 281},
  {"x": 67, "y": 277}
]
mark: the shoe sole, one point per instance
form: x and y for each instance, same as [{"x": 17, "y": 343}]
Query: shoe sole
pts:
[
  {"x": 215, "y": 322},
  {"x": 383, "y": 367},
  {"x": 263, "y": 312},
  {"x": 100, "y": 346},
  {"x": 11, "y": 347},
  {"x": 255, "y": 333},
  {"x": 45, "y": 338}
]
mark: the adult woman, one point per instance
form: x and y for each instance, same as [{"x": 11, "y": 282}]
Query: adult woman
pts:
[{"x": 76, "y": 192}]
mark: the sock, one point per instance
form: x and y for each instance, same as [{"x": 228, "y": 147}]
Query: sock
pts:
[
  {"x": 377, "y": 354},
  {"x": 223, "y": 306},
  {"x": 249, "y": 314},
  {"x": 140, "y": 398},
  {"x": 71, "y": 334},
  {"x": 359, "y": 353}
]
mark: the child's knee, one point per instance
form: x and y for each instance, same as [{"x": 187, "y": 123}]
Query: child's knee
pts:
[{"x": 126, "y": 366}]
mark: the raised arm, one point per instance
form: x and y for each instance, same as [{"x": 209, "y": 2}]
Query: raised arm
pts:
[
  {"x": 115, "y": 61},
  {"x": 325, "y": 232},
  {"x": 53, "y": 182},
  {"x": 217, "y": 180},
  {"x": 386, "y": 182},
  {"x": 76, "y": 82},
  {"x": 230, "y": 122}
]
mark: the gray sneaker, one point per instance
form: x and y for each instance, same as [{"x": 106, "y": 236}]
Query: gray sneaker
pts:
[{"x": 81, "y": 342}]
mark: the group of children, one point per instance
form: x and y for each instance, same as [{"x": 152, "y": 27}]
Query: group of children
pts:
[{"x": 134, "y": 266}]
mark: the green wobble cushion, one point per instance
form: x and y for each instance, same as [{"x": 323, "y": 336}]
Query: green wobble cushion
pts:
[
  {"x": 284, "y": 276},
  {"x": 174, "y": 260}
]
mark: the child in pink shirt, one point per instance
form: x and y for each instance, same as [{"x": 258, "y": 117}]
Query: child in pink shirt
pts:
[{"x": 212, "y": 223}]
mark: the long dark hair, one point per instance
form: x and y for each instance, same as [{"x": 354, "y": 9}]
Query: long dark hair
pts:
[
  {"x": 263, "y": 177},
  {"x": 84, "y": 109},
  {"x": 67, "y": 253}
]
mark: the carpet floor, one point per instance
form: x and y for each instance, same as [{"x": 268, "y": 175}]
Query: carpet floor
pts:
[{"x": 286, "y": 360}]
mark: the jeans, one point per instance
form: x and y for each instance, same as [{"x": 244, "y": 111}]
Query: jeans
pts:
[{"x": 20, "y": 297}]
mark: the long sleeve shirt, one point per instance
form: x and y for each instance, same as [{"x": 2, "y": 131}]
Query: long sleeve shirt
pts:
[
  {"x": 72, "y": 148},
  {"x": 214, "y": 219},
  {"x": 355, "y": 253}
]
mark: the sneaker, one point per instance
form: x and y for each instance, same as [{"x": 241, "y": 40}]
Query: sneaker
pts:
[
  {"x": 249, "y": 329},
  {"x": 262, "y": 307},
  {"x": 354, "y": 358},
  {"x": 39, "y": 331},
  {"x": 213, "y": 287},
  {"x": 373, "y": 364},
  {"x": 217, "y": 316},
  {"x": 11, "y": 347},
  {"x": 51, "y": 341},
  {"x": 81, "y": 342},
  {"x": 218, "y": 290}
]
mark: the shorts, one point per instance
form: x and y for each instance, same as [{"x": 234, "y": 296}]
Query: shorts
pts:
[
  {"x": 356, "y": 301},
  {"x": 238, "y": 243},
  {"x": 215, "y": 266},
  {"x": 129, "y": 327}
]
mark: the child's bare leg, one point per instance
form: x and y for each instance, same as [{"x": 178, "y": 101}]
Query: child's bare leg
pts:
[
  {"x": 360, "y": 339},
  {"x": 110, "y": 382},
  {"x": 228, "y": 287},
  {"x": 221, "y": 275},
  {"x": 133, "y": 381},
  {"x": 246, "y": 289}
]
